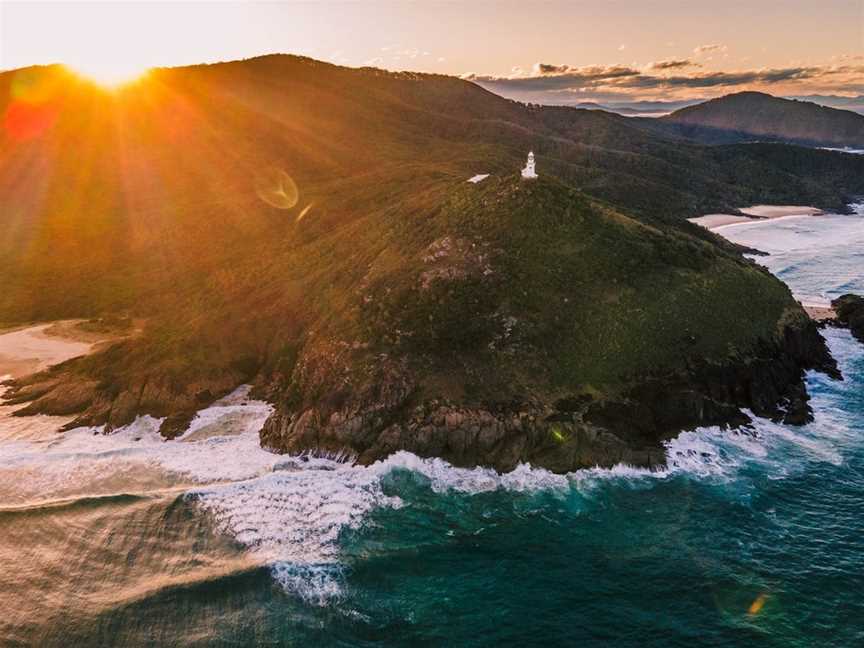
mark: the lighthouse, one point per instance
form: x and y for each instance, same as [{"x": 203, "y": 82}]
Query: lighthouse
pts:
[{"x": 528, "y": 172}]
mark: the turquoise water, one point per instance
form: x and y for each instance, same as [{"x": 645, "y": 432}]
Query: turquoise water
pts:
[
  {"x": 749, "y": 539},
  {"x": 820, "y": 258}
]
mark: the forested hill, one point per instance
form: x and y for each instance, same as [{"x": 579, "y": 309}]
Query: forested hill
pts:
[
  {"x": 756, "y": 115},
  {"x": 309, "y": 228},
  {"x": 97, "y": 185}
]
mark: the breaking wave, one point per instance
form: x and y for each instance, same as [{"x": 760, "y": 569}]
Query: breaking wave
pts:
[
  {"x": 291, "y": 513},
  {"x": 820, "y": 257}
]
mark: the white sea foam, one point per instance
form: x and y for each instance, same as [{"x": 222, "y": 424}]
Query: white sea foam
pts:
[
  {"x": 234, "y": 414},
  {"x": 290, "y": 513},
  {"x": 778, "y": 449},
  {"x": 41, "y": 464},
  {"x": 847, "y": 149},
  {"x": 445, "y": 477},
  {"x": 819, "y": 257},
  {"x": 292, "y": 520}
]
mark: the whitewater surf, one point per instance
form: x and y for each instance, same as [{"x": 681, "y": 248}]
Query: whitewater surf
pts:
[{"x": 210, "y": 540}]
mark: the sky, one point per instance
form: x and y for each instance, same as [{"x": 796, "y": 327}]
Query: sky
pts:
[{"x": 549, "y": 52}]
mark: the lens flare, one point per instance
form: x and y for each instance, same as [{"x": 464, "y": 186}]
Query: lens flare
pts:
[
  {"x": 33, "y": 108},
  {"x": 110, "y": 73},
  {"x": 757, "y": 605},
  {"x": 304, "y": 212},
  {"x": 24, "y": 121},
  {"x": 277, "y": 189}
]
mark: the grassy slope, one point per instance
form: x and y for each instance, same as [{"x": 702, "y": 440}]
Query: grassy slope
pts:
[
  {"x": 159, "y": 215},
  {"x": 589, "y": 297}
]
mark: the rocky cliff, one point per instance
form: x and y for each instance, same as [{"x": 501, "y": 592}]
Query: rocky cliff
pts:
[
  {"x": 850, "y": 314},
  {"x": 389, "y": 413}
]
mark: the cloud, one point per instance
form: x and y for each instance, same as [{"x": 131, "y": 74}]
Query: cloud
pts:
[
  {"x": 714, "y": 79},
  {"x": 705, "y": 49},
  {"x": 548, "y": 68},
  {"x": 673, "y": 64},
  {"x": 555, "y": 83},
  {"x": 549, "y": 77},
  {"x": 713, "y": 48}
]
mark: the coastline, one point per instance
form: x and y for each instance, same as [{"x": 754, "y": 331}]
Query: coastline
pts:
[
  {"x": 32, "y": 348},
  {"x": 384, "y": 416},
  {"x": 819, "y": 313},
  {"x": 755, "y": 213},
  {"x": 818, "y": 287},
  {"x": 779, "y": 211}
]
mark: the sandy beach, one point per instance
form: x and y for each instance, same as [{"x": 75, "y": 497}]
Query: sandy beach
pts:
[
  {"x": 34, "y": 348},
  {"x": 755, "y": 212},
  {"x": 713, "y": 221},
  {"x": 819, "y": 313},
  {"x": 779, "y": 211}
]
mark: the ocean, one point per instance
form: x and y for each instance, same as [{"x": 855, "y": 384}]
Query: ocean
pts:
[{"x": 751, "y": 538}]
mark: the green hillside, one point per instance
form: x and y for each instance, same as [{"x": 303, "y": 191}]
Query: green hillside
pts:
[
  {"x": 127, "y": 192},
  {"x": 309, "y": 228},
  {"x": 755, "y": 116}
]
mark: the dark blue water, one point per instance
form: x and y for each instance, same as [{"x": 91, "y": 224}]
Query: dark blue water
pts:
[{"x": 750, "y": 539}]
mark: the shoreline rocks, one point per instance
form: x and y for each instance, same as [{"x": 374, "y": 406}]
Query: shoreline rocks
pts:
[
  {"x": 570, "y": 434},
  {"x": 387, "y": 410},
  {"x": 849, "y": 311}
]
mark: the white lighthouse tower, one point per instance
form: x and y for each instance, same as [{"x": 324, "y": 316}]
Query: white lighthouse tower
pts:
[{"x": 528, "y": 173}]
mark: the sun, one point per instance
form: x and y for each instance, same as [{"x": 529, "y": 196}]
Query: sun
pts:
[{"x": 110, "y": 73}]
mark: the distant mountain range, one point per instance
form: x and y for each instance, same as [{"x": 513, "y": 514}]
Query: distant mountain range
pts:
[
  {"x": 855, "y": 104},
  {"x": 638, "y": 107},
  {"x": 660, "y": 108},
  {"x": 757, "y": 117}
]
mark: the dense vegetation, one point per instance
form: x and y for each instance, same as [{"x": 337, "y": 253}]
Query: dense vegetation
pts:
[
  {"x": 260, "y": 215},
  {"x": 525, "y": 284},
  {"x": 748, "y": 116}
]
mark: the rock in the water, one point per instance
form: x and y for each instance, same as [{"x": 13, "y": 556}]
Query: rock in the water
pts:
[{"x": 850, "y": 313}]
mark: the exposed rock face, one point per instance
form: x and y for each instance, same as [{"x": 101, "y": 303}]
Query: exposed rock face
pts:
[
  {"x": 850, "y": 313},
  {"x": 329, "y": 404},
  {"x": 770, "y": 383},
  {"x": 461, "y": 435},
  {"x": 389, "y": 414},
  {"x": 62, "y": 391}
]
